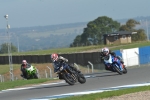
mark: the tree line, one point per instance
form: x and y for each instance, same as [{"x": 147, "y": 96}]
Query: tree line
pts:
[{"x": 93, "y": 33}]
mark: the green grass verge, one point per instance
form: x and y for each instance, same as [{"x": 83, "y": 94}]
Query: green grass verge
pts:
[
  {"x": 18, "y": 83},
  {"x": 98, "y": 96},
  {"x": 58, "y": 50},
  {"x": 5, "y": 68},
  {"x": 84, "y": 48}
]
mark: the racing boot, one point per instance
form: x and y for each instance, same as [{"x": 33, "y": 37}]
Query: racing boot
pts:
[
  {"x": 24, "y": 77},
  {"x": 60, "y": 76}
]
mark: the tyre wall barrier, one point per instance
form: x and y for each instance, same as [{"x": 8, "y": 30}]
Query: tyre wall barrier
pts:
[
  {"x": 83, "y": 58},
  {"x": 79, "y": 58}
]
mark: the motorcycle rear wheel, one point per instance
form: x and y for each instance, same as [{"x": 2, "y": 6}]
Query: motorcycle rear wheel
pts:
[
  {"x": 36, "y": 76},
  {"x": 81, "y": 79},
  {"x": 124, "y": 70}
]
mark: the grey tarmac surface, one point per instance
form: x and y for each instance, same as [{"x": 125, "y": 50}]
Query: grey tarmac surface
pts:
[{"x": 95, "y": 81}]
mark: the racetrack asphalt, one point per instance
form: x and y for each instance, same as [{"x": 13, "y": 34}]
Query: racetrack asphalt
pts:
[{"x": 94, "y": 81}]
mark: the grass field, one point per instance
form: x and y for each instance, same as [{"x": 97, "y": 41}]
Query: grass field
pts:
[
  {"x": 16, "y": 70},
  {"x": 81, "y": 49},
  {"x": 19, "y": 83}
]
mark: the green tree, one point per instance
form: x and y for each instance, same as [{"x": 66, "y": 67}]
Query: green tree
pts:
[
  {"x": 76, "y": 41},
  {"x": 4, "y": 48},
  {"x": 140, "y": 36},
  {"x": 130, "y": 26},
  {"x": 93, "y": 33}
]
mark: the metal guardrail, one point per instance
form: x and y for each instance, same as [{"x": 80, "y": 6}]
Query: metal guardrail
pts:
[
  {"x": 91, "y": 65},
  {"x": 50, "y": 72},
  {"x": 2, "y": 78},
  {"x": 76, "y": 66}
]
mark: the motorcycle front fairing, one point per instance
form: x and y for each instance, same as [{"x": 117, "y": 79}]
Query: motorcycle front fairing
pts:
[
  {"x": 31, "y": 69},
  {"x": 109, "y": 60},
  {"x": 117, "y": 61}
]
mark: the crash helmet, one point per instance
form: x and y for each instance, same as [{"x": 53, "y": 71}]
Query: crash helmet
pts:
[
  {"x": 105, "y": 51},
  {"x": 24, "y": 62},
  {"x": 54, "y": 57}
]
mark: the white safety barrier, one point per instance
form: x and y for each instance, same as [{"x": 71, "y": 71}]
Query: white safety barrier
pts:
[{"x": 130, "y": 56}]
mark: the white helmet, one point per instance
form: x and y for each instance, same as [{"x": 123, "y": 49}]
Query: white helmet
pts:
[
  {"x": 24, "y": 61},
  {"x": 105, "y": 51}
]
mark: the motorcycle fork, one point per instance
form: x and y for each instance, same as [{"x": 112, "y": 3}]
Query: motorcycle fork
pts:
[
  {"x": 71, "y": 74},
  {"x": 122, "y": 66}
]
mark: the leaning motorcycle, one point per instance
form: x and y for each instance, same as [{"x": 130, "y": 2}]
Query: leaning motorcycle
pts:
[
  {"x": 70, "y": 75},
  {"x": 81, "y": 78},
  {"x": 115, "y": 64},
  {"x": 31, "y": 72}
]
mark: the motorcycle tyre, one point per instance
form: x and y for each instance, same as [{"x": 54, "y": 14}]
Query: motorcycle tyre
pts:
[
  {"x": 36, "y": 76},
  {"x": 125, "y": 70},
  {"x": 67, "y": 80},
  {"x": 81, "y": 79},
  {"x": 117, "y": 70}
]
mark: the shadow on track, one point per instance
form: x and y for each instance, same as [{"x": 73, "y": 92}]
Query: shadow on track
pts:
[
  {"x": 98, "y": 73},
  {"x": 92, "y": 75},
  {"x": 105, "y": 74},
  {"x": 50, "y": 86}
]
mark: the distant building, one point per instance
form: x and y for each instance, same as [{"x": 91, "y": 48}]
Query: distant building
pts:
[{"x": 119, "y": 37}]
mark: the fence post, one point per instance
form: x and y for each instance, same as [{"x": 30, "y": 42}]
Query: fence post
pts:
[
  {"x": 50, "y": 71},
  {"x": 38, "y": 73},
  {"x": 91, "y": 65},
  {"x": 11, "y": 76},
  {"x": 45, "y": 74},
  {"x": 1, "y": 77},
  {"x": 88, "y": 68}
]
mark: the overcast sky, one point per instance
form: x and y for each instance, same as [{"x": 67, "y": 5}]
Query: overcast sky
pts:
[{"x": 27, "y": 13}]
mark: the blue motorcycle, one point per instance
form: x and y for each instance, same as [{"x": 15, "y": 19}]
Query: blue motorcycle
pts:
[{"x": 114, "y": 64}]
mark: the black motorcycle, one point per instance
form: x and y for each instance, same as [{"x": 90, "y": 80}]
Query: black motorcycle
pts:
[{"x": 70, "y": 75}]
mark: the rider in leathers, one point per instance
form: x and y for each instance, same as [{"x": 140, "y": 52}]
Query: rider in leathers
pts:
[
  {"x": 23, "y": 67},
  {"x": 102, "y": 55},
  {"x": 57, "y": 63}
]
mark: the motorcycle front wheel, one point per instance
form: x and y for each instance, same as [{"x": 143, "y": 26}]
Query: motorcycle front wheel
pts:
[
  {"x": 69, "y": 78},
  {"x": 117, "y": 69}
]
